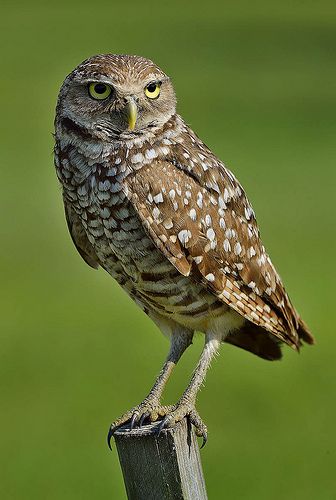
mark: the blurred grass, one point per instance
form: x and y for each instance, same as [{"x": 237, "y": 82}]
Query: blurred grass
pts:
[{"x": 257, "y": 82}]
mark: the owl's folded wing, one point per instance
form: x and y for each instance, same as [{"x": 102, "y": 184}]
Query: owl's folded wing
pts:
[
  {"x": 211, "y": 234},
  {"x": 79, "y": 236}
]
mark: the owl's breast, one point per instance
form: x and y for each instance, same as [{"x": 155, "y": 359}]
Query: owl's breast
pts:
[{"x": 95, "y": 191}]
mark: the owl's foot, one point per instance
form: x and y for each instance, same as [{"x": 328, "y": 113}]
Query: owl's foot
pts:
[
  {"x": 185, "y": 408},
  {"x": 150, "y": 410}
]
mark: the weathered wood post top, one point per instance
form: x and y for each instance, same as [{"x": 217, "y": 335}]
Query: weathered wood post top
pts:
[{"x": 161, "y": 467}]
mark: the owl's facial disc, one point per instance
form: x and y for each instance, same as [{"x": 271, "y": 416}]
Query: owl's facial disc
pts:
[{"x": 115, "y": 97}]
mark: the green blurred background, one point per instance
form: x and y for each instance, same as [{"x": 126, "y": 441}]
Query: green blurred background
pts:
[{"x": 256, "y": 80}]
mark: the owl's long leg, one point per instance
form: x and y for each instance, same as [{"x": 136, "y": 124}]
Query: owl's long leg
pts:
[
  {"x": 150, "y": 407},
  {"x": 186, "y": 404}
]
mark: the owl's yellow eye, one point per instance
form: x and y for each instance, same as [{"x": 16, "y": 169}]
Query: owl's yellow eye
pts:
[
  {"x": 153, "y": 90},
  {"x": 99, "y": 90}
]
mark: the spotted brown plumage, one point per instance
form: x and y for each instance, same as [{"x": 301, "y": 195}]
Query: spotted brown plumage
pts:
[{"x": 146, "y": 200}]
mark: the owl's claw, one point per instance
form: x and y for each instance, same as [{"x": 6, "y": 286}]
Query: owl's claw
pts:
[
  {"x": 171, "y": 415},
  {"x": 133, "y": 420},
  {"x": 149, "y": 409},
  {"x": 109, "y": 437},
  {"x": 144, "y": 417},
  {"x": 181, "y": 410},
  {"x": 205, "y": 439}
]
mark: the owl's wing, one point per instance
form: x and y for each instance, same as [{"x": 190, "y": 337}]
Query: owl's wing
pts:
[
  {"x": 79, "y": 237},
  {"x": 206, "y": 227}
]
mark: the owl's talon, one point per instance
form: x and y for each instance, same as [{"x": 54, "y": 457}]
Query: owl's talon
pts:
[
  {"x": 144, "y": 416},
  {"x": 149, "y": 409},
  {"x": 133, "y": 420},
  {"x": 109, "y": 437},
  {"x": 200, "y": 427},
  {"x": 162, "y": 425},
  {"x": 178, "y": 412},
  {"x": 205, "y": 439}
]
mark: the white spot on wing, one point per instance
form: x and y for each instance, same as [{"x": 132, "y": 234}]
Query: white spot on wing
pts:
[
  {"x": 158, "y": 198},
  {"x": 226, "y": 195},
  {"x": 184, "y": 236},
  {"x": 208, "y": 220},
  {"x": 199, "y": 200},
  {"x": 210, "y": 234},
  {"x": 226, "y": 245},
  {"x": 237, "y": 248},
  {"x": 192, "y": 214},
  {"x": 156, "y": 213}
]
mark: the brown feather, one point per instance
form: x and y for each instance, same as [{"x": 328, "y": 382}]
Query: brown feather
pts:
[
  {"x": 79, "y": 236},
  {"x": 253, "y": 338}
]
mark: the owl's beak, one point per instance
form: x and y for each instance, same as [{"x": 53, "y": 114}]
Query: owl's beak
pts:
[{"x": 132, "y": 111}]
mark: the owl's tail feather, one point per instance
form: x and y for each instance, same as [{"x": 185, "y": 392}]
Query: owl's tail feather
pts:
[
  {"x": 255, "y": 339},
  {"x": 304, "y": 333}
]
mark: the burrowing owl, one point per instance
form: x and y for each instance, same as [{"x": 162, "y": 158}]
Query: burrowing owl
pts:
[{"x": 147, "y": 201}]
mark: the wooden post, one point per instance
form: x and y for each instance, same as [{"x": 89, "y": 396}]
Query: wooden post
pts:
[{"x": 161, "y": 467}]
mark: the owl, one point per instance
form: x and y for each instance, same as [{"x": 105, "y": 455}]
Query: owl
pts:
[{"x": 150, "y": 203}]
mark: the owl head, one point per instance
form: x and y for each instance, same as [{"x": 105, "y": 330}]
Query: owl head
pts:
[{"x": 116, "y": 97}]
